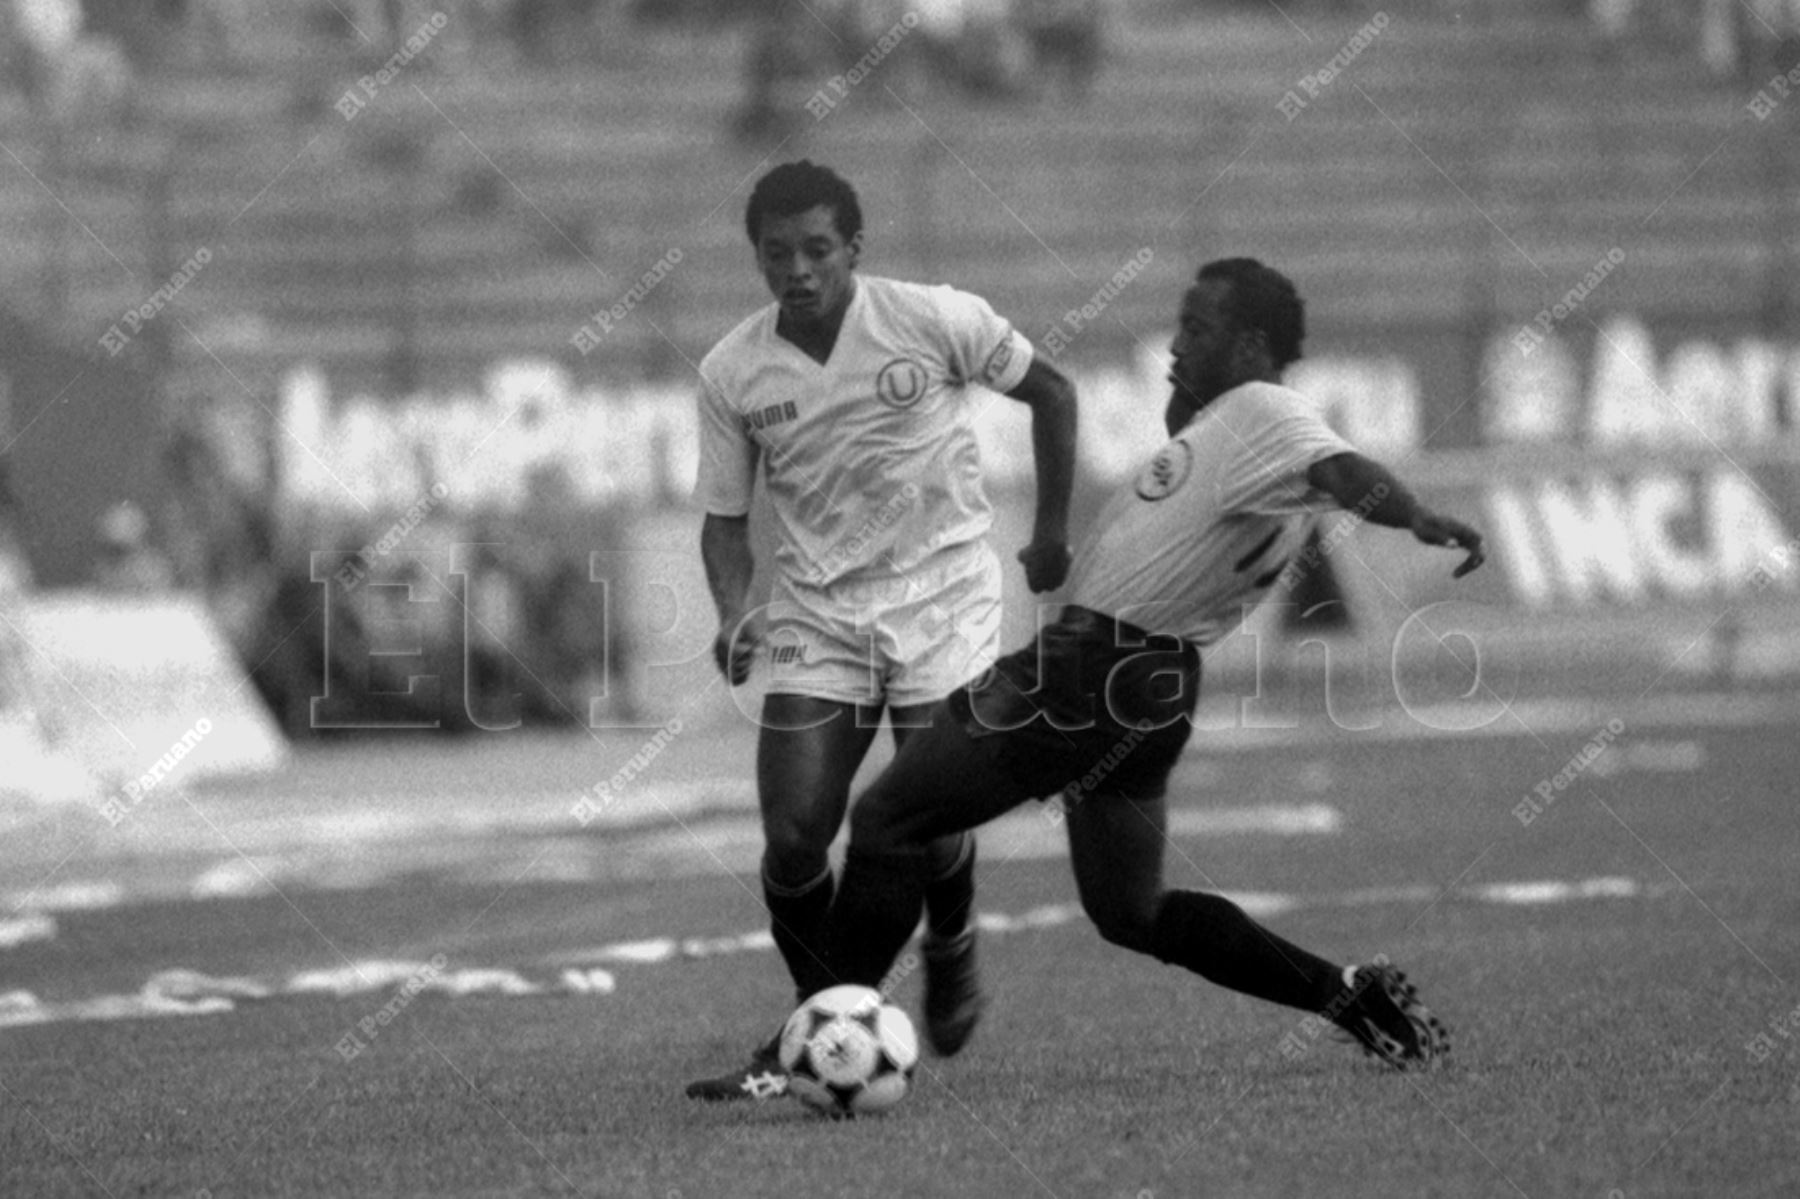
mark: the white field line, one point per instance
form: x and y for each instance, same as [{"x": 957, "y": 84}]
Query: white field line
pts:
[{"x": 178, "y": 992}]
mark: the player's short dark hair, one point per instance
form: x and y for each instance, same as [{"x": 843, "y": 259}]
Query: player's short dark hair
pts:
[
  {"x": 1264, "y": 299},
  {"x": 796, "y": 187}
]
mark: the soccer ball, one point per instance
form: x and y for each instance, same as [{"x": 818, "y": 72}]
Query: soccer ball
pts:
[{"x": 848, "y": 1052}]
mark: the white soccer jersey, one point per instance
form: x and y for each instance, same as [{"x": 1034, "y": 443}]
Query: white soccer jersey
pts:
[
  {"x": 870, "y": 459},
  {"x": 1203, "y": 531}
]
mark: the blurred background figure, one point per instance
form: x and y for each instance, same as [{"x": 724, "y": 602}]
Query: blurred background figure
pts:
[
  {"x": 127, "y": 562},
  {"x": 1734, "y": 38},
  {"x": 47, "y": 31},
  {"x": 786, "y": 52},
  {"x": 70, "y": 69},
  {"x": 1067, "y": 42}
]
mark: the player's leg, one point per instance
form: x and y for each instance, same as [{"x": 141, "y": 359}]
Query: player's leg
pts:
[
  {"x": 953, "y": 999},
  {"x": 1116, "y": 848},
  {"x": 941, "y": 632},
  {"x": 808, "y": 752},
  {"x": 949, "y": 860},
  {"x": 939, "y": 785},
  {"x": 945, "y": 631}
]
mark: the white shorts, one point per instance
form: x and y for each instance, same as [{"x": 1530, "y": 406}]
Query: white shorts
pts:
[{"x": 899, "y": 639}]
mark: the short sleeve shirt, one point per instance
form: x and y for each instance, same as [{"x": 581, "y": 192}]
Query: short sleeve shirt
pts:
[
  {"x": 870, "y": 459},
  {"x": 1196, "y": 540}
]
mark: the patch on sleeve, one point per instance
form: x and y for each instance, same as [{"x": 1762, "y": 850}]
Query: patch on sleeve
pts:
[{"x": 996, "y": 363}]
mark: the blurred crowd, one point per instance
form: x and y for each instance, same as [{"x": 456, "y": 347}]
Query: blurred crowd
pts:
[
  {"x": 1734, "y": 38},
  {"x": 534, "y": 641},
  {"x": 498, "y": 607},
  {"x": 78, "y": 55},
  {"x": 803, "y": 60}
]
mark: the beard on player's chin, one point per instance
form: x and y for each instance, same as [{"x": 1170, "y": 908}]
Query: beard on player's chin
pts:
[{"x": 1193, "y": 393}]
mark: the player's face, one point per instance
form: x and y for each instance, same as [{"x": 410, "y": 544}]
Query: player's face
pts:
[
  {"x": 807, "y": 263},
  {"x": 1204, "y": 349}
]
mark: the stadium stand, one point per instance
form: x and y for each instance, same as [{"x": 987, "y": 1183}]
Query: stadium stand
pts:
[
  {"x": 1462, "y": 170},
  {"x": 468, "y": 214}
]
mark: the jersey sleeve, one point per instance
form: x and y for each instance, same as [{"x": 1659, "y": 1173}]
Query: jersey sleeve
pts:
[
  {"x": 983, "y": 346},
  {"x": 1280, "y": 436},
  {"x": 727, "y": 472}
]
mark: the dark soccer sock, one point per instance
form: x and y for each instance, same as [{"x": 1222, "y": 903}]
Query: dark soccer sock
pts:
[
  {"x": 1215, "y": 939},
  {"x": 877, "y": 909},
  {"x": 798, "y": 917},
  {"x": 950, "y": 894}
]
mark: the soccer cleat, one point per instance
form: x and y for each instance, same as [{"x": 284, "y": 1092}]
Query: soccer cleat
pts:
[
  {"x": 762, "y": 1079},
  {"x": 953, "y": 997},
  {"x": 1380, "y": 1011}
]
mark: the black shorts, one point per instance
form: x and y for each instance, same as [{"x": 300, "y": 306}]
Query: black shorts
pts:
[{"x": 1096, "y": 705}]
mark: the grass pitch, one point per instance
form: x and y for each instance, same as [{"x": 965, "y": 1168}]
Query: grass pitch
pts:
[{"x": 1616, "y": 1047}]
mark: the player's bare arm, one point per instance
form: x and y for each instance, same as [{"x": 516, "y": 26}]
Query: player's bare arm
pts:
[
  {"x": 1051, "y": 398},
  {"x": 1362, "y": 485},
  {"x": 725, "y": 552}
]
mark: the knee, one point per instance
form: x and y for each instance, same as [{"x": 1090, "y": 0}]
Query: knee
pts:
[
  {"x": 1127, "y": 925},
  {"x": 795, "y": 848}
]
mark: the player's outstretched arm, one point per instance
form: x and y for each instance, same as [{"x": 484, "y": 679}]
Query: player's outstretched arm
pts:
[
  {"x": 1362, "y": 485},
  {"x": 725, "y": 552},
  {"x": 1051, "y": 398}
]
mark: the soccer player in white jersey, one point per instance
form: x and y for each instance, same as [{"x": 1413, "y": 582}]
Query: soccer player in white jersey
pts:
[
  {"x": 855, "y": 397},
  {"x": 1099, "y": 708}
]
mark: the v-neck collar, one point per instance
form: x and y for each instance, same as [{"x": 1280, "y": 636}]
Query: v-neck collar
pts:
[{"x": 850, "y": 310}]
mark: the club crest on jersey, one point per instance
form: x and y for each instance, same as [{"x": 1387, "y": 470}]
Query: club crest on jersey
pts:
[
  {"x": 900, "y": 383},
  {"x": 1166, "y": 472}
]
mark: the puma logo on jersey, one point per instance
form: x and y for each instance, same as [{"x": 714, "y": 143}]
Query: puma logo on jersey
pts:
[{"x": 774, "y": 414}]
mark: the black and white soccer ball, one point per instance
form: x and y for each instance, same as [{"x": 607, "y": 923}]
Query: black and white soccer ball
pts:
[{"x": 848, "y": 1052}]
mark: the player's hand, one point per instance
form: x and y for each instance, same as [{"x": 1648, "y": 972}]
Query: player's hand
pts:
[
  {"x": 735, "y": 648},
  {"x": 1433, "y": 529},
  {"x": 1046, "y": 564}
]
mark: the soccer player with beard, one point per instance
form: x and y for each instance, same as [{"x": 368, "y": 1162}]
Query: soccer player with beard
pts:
[
  {"x": 855, "y": 396},
  {"x": 1099, "y": 708}
]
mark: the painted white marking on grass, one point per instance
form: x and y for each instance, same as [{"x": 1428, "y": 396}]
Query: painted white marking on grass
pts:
[
  {"x": 589, "y": 982},
  {"x": 490, "y": 981},
  {"x": 20, "y": 1007},
  {"x": 706, "y": 947},
  {"x": 356, "y": 978},
  {"x": 723, "y": 842},
  {"x": 1261, "y": 904},
  {"x": 191, "y": 985},
  {"x": 68, "y": 897},
  {"x": 1281, "y": 819},
  {"x": 666, "y": 949},
  {"x": 659, "y": 950},
  {"x": 34, "y": 926},
  {"x": 1551, "y": 891},
  {"x": 238, "y": 878},
  {"x": 189, "y": 993},
  {"x": 375, "y": 974},
  {"x": 1047, "y": 916}
]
